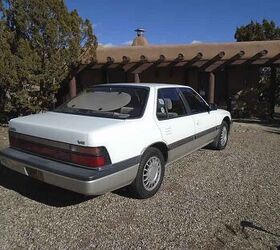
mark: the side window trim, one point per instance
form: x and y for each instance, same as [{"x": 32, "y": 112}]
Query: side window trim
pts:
[
  {"x": 187, "y": 112},
  {"x": 159, "y": 96},
  {"x": 194, "y": 92},
  {"x": 206, "y": 103},
  {"x": 185, "y": 102}
]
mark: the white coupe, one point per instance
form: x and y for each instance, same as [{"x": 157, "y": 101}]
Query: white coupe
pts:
[{"x": 115, "y": 135}]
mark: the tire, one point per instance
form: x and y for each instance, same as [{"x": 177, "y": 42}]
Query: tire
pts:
[
  {"x": 222, "y": 138},
  {"x": 150, "y": 174},
  {"x": 1, "y": 168}
]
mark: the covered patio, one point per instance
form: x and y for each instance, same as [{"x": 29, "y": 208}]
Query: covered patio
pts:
[{"x": 216, "y": 71}]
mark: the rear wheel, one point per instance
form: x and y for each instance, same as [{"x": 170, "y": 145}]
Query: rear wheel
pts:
[
  {"x": 222, "y": 138},
  {"x": 150, "y": 174}
]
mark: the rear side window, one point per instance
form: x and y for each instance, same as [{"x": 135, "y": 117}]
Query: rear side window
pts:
[
  {"x": 196, "y": 103},
  {"x": 169, "y": 104}
]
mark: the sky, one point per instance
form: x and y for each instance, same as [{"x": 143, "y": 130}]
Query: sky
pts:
[{"x": 172, "y": 21}]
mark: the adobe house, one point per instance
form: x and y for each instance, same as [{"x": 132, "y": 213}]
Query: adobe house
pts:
[{"x": 217, "y": 71}]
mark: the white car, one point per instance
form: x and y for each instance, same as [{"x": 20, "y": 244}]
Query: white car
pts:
[{"x": 115, "y": 135}]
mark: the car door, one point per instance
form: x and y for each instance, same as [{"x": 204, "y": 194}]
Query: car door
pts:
[
  {"x": 205, "y": 120},
  {"x": 174, "y": 121}
]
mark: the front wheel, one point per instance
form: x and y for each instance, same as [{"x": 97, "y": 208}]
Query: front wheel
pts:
[
  {"x": 222, "y": 138},
  {"x": 1, "y": 168},
  {"x": 150, "y": 174}
]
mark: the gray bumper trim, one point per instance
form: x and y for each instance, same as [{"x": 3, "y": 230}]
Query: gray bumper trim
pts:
[{"x": 80, "y": 180}]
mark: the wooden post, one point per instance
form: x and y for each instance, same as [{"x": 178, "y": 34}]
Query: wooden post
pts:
[
  {"x": 211, "y": 93},
  {"x": 227, "y": 94},
  {"x": 272, "y": 90},
  {"x": 126, "y": 76},
  {"x": 73, "y": 87},
  {"x": 186, "y": 77},
  {"x": 136, "y": 78},
  {"x": 105, "y": 77}
]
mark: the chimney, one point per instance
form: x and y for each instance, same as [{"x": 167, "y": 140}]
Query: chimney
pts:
[
  {"x": 140, "y": 40},
  {"x": 140, "y": 32}
]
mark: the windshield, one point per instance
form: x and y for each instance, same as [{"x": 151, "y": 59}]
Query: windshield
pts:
[{"x": 120, "y": 102}]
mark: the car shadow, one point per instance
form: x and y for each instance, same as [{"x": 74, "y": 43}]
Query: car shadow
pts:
[
  {"x": 39, "y": 191},
  {"x": 124, "y": 192}
]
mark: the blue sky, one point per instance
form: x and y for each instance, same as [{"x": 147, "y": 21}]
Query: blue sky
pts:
[{"x": 172, "y": 21}]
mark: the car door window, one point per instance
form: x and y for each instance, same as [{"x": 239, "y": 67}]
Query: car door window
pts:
[
  {"x": 169, "y": 104},
  {"x": 196, "y": 103}
]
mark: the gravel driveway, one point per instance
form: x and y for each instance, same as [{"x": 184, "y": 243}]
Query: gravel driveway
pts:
[{"x": 210, "y": 199}]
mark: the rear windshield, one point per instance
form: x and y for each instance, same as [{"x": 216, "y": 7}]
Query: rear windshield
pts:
[{"x": 120, "y": 102}]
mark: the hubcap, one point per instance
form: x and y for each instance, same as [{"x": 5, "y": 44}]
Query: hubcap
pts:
[
  {"x": 224, "y": 136},
  {"x": 151, "y": 173}
]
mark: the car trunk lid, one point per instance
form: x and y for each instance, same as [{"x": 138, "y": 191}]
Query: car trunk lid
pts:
[{"x": 61, "y": 127}]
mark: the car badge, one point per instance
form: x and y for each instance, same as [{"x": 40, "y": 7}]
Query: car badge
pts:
[{"x": 81, "y": 142}]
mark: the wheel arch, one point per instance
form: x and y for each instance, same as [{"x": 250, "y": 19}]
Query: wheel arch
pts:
[
  {"x": 162, "y": 147},
  {"x": 228, "y": 121}
]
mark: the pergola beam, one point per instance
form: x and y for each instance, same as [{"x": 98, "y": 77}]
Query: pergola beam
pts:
[
  {"x": 125, "y": 65},
  {"x": 110, "y": 60},
  {"x": 104, "y": 68},
  {"x": 125, "y": 60},
  {"x": 256, "y": 57},
  {"x": 173, "y": 63},
  {"x": 198, "y": 57},
  {"x": 142, "y": 68},
  {"x": 147, "y": 65},
  {"x": 132, "y": 68},
  {"x": 273, "y": 59},
  {"x": 143, "y": 59},
  {"x": 135, "y": 69},
  {"x": 178, "y": 59},
  {"x": 237, "y": 56},
  {"x": 216, "y": 58},
  {"x": 160, "y": 60}
]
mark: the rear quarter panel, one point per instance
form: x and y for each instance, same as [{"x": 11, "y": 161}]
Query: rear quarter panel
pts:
[{"x": 127, "y": 140}]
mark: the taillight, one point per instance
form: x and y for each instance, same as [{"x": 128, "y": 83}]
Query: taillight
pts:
[
  {"x": 94, "y": 157},
  {"x": 89, "y": 161}
]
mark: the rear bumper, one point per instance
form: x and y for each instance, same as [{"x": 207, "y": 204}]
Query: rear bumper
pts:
[{"x": 74, "y": 178}]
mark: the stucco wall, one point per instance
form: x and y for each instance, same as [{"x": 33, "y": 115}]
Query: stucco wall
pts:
[{"x": 238, "y": 78}]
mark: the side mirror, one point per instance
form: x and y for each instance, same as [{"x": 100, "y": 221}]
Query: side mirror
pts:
[{"x": 213, "y": 106}]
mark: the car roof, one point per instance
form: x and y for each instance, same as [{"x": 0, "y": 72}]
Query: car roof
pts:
[{"x": 149, "y": 85}]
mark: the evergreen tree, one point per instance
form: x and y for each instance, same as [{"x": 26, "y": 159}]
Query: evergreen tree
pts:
[
  {"x": 41, "y": 43},
  {"x": 254, "y": 31}
]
